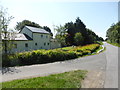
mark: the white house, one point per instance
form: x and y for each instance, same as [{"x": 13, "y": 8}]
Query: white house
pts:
[{"x": 31, "y": 38}]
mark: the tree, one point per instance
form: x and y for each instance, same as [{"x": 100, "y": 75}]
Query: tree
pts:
[
  {"x": 70, "y": 33},
  {"x": 60, "y": 35},
  {"x": 20, "y": 25},
  {"x": 71, "y": 28},
  {"x": 5, "y": 34},
  {"x": 113, "y": 33},
  {"x": 78, "y": 39},
  {"x": 4, "y": 22},
  {"x": 48, "y": 29}
]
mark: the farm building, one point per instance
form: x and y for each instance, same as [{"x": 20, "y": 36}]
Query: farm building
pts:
[{"x": 32, "y": 38}]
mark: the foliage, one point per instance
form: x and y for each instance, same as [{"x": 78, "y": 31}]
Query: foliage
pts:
[
  {"x": 5, "y": 32},
  {"x": 78, "y": 38},
  {"x": 6, "y": 35},
  {"x": 61, "y": 35},
  {"x": 71, "y": 28},
  {"x": 115, "y": 44},
  {"x": 48, "y": 56},
  {"x": 113, "y": 33},
  {"x": 70, "y": 79},
  {"x": 20, "y": 25},
  {"x": 48, "y": 29}
]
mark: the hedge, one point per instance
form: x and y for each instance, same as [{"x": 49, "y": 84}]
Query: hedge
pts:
[{"x": 47, "y": 56}]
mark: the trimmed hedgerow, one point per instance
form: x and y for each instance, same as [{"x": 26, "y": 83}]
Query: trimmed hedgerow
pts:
[{"x": 47, "y": 56}]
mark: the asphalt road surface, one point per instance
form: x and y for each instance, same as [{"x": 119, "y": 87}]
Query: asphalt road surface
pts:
[{"x": 105, "y": 62}]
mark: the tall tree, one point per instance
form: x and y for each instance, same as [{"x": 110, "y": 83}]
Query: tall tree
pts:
[
  {"x": 4, "y": 22},
  {"x": 7, "y": 44},
  {"x": 113, "y": 33},
  {"x": 70, "y": 33},
  {"x": 87, "y": 35}
]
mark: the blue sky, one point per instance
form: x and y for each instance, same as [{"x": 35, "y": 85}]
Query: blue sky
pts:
[{"x": 97, "y": 16}]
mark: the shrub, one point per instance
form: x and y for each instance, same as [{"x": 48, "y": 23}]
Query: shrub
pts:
[
  {"x": 5, "y": 60},
  {"x": 85, "y": 52},
  {"x": 47, "y": 56}
]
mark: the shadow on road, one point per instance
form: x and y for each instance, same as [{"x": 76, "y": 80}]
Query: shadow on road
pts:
[{"x": 9, "y": 70}]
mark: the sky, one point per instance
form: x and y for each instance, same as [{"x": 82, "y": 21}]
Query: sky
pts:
[{"x": 97, "y": 16}]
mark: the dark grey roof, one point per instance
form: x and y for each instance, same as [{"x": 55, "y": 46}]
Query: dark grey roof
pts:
[{"x": 37, "y": 30}]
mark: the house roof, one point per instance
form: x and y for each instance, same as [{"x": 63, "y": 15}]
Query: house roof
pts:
[
  {"x": 19, "y": 37},
  {"x": 22, "y": 36},
  {"x": 37, "y": 30}
]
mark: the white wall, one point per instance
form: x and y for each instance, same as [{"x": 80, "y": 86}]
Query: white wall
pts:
[
  {"x": 27, "y": 31},
  {"x": 55, "y": 44},
  {"x": 21, "y": 46},
  {"x": 42, "y": 40},
  {"x": 31, "y": 43}
]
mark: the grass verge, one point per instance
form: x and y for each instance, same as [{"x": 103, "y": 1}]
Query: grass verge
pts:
[
  {"x": 115, "y": 44},
  {"x": 70, "y": 79}
]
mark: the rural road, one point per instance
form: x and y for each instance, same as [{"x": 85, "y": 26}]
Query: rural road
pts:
[{"x": 104, "y": 65}]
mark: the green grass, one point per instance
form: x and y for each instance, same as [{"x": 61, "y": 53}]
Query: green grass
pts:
[
  {"x": 115, "y": 44},
  {"x": 70, "y": 79}
]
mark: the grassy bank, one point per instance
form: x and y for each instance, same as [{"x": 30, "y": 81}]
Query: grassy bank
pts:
[
  {"x": 115, "y": 44},
  {"x": 48, "y": 56},
  {"x": 64, "y": 80}
]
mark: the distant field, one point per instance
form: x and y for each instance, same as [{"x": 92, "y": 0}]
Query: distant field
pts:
[{"x": 70, "y": 79}]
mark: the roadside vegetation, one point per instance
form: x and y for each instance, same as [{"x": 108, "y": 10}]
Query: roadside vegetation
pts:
[
  {"x": 115, "y": 44},
  {"x": 113, "y": 34},
  {"x": 70, "y": 79},
  {"x": 48, "y": 56},
  {"x": 78, "y": 40}
]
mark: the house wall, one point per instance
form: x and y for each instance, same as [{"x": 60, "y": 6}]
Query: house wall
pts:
[
  {"x": 21, "y": 46},
  {"x": 27, "y": 31},
  {"x": 42, "y": 40},
  {"x": 55, "y": 44}
]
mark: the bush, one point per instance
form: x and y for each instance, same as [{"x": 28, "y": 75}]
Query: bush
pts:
[
  {"x": 5, "y": 60},
  {"x": 48, "y": 56}
]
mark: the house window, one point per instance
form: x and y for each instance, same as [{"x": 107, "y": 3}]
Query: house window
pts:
[
  {"x": 35, "y": 44},
  {"x": 26, "y": 44},
  {"x": 46, "y": 36},
  {"x": 15, "y": 45},
  {"x": 48, "y": 43},
  {"x": 44, "y": 44},
  {"x": 41, "y": 36}
]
